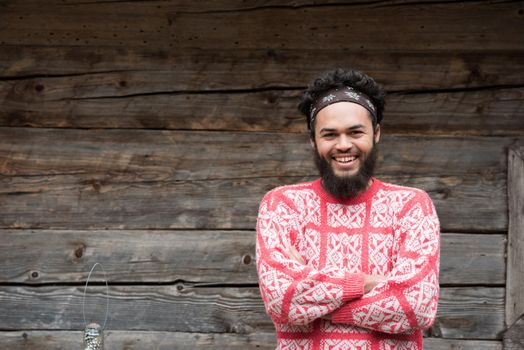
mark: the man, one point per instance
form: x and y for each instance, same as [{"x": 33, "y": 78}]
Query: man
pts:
[{"x": 347, "y": 261}]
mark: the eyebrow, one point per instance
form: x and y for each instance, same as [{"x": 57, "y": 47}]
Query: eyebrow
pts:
[{"x": 354, "y": 127}]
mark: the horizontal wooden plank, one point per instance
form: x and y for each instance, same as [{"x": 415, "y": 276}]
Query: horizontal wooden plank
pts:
[
  {"x": 130, "y": 340},
  {"x": 482, "y": 25},
  {"x": 81, "y": 102},
  {"x": 137, "y": 340},
  {"x": 87, "y": 179},
  {"x": 229, "y": 5},
  {"x": 473, "y": 259},
  {"x": 143, "y": 256},
  {"x": 196, "y": 256},
  {"x": 183, "y": 155},
  {"x": 470, "y": 204},
  {"x": 469, "y": 313},
  {"x": 176, "y": 307},
  {"x": 125, "y": 71},
  {"x": 457, "y": 344},
  {"x": 457, "y": 113}
]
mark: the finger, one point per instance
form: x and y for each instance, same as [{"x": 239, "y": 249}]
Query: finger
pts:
[{"x": 296, "y": 255}]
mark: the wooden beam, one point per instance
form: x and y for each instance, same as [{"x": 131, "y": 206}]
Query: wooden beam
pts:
[
  {"x": 459, "y": 344},
  {"x": 464, "y": 313},
  {"x": 124, "y": 71},
  {"x": 470, "y": 313},
  {"x": 515, "y": 269},
  {"x": 483, "y": 26},
  {"x": 125, "y": 178},
  {"x": 235, "y": 5},
  {"x": 196, "y": 256},
  {"x": 135, "y": 340},
  {"x": 113, "y": 201},
  {"x": 514, "y": 336},
  {"x": 76, "y": 102},
  {"x": 154, "y": 155}
]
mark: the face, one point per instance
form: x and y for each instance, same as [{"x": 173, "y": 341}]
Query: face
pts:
[{"x": 345, "y": 146}]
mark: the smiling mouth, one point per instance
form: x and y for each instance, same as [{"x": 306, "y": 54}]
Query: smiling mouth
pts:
[{"x": 343, "y": 159}]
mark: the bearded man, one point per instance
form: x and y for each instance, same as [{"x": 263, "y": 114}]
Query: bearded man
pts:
[{"x": 347, "y": 261}]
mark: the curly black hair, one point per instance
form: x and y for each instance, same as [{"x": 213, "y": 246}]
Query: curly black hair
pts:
[{"x": 338, "y": 78}]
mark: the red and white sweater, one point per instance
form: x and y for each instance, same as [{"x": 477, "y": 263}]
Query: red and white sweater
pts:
[{"x": 388, "y": 230}]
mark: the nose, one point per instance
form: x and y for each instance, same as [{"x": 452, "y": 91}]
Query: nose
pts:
[{"x": 344, "y": 143}]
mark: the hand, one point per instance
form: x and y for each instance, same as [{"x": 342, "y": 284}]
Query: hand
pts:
[
  {"x": 370, "y": 281},
  {"x": 293, "y": 254}
]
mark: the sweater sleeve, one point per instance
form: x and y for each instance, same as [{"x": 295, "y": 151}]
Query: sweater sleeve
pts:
[
  {"x": 407, "y": 300},
  {"x": 293, "y": 293}
]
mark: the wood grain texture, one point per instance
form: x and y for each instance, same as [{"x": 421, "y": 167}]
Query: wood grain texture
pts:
[
  {"x": 230, "y": 5},
  {"x": 80, "y": 102},
  {"x": 199, "y": 155},
  {"x": 515, "y": 268},
  {"x": 471, "y": 204},
  {"x": 482, "y": 26},
  {"x": 139, "y": 340},
  {"x": 456, "y": 344},
  {"x": 465, "y": 313},
  {"x": 139, "y": 179},
  {"x": 468, "y": 313},
  {"x": 124, "y": 71},
  {"x": 135, "y": 340},
  {"x": 41, "y": 257},
  {"x": 514, "y": 336}
]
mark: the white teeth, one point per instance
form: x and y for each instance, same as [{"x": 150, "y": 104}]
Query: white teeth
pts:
[{"x": 345, "y": 159}]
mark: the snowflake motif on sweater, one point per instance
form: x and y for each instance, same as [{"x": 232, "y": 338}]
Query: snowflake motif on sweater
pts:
[{"x": 388, "y": 230}]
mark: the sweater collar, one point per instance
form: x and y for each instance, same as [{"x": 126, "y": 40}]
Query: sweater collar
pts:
[{"x": 362, "y": 197}]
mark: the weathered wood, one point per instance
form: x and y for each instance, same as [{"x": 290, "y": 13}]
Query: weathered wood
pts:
[
  {"x": 107, "y": 201},
  {"x": 175, "y": 307},
  {"x": 456, "y": 344},
  {"x": 196, "y": 256},
  {"x": 124, "y": 71},
  {"x": 484, "y": 112},
  {"x": 514, "y": 337},
  {"x": 482, "y": 26},
  {"x": 178, "y": 155},
  {"x": 515, "y": 269},
  {"x": 66, "y": 340},
  {"x": 154, "y": 179},
  {"x": 57, "y": 104},
  {"x": 128, "y": 256},
  {"x": 232, "y": 5},
  {"x": 472, "y": 259},
  {"x": 126, "y": 340},
  {"x": 465, "y": 313}
]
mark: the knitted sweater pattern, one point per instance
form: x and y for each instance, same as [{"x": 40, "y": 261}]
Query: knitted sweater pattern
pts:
[{"x": 388, "y": 230}]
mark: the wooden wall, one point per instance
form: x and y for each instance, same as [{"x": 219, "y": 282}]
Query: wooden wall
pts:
[{"x": 143, "y": 134}]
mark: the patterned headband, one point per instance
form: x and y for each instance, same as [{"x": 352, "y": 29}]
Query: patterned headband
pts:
[{"x": 341, "y": 94}]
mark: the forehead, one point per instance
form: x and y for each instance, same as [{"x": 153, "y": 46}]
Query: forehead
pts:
[{"x": 342, "y": 115}]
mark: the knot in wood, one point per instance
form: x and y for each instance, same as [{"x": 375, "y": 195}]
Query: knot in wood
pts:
[
  {"x": 246, "y": 259},
  {"x": 79, "y": 252}
]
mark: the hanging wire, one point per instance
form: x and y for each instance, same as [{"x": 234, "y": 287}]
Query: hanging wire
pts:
[{"x": 107, "y": 295}]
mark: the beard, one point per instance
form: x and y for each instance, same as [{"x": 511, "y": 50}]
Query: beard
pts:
[{"x": 344, "y": 187}]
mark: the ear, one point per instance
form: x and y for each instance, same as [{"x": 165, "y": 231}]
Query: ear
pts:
[
  {"x": 377, "y": 133},
  {"x": 312, "y": 143}
]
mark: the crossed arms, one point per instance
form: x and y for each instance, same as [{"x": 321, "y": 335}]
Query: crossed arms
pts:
[{"x": 297, "y": 294}]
